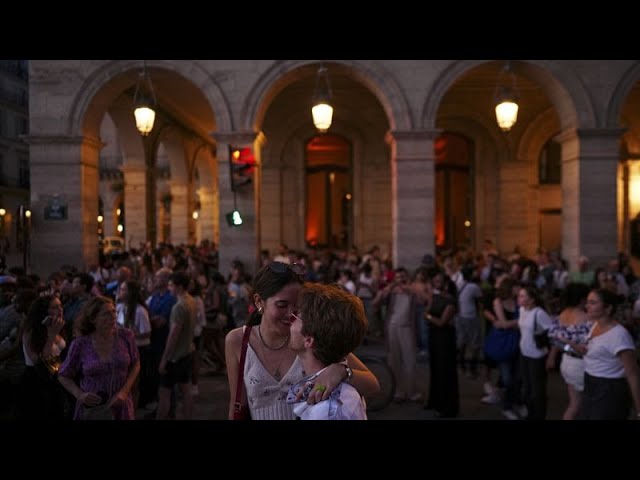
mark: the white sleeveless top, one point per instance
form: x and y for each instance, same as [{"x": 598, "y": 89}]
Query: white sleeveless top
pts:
[{"x": 267, "y": 397}]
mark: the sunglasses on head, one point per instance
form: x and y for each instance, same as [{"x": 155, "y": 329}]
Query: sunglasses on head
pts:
[{"x": 281, "y": 267}]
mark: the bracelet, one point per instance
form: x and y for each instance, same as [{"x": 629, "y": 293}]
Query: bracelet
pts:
[{"x": 348, "y": 370}]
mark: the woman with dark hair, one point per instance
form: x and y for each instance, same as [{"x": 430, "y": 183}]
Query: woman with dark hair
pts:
[
  {"x": 42, "y": 397},
  {"x": 612, "y": 376},
  {"x": 505, "y": 309},
  {"x": 444, "y": 396},
  {"x": 271, "y": 365},
  {"x": 533, "y": 319},
  {"x": 107, "y": 358}
]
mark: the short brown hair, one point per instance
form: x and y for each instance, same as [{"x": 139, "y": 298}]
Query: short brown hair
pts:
[
  {"x": 334, "y": 318},
  {"x": 84, "y": 324}
]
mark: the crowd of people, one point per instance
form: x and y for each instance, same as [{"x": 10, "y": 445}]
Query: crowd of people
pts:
[{"x": 134, "y": 331}]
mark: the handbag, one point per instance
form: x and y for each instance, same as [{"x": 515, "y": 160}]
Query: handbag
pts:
[
  {"x": 47, "y": 367},
  {"x": 102, "y": 411},
  {"x": 240, "y": 409},
  {"x": 501, "y": 344},
  {"x": 541, "y": 338}
]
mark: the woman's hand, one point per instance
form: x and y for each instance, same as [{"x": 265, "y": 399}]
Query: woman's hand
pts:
[
  {"x": 324, "y": 383},
  {"x": 89, "y": 399},
  {"x": 118, "y": 399},
  {"x": 162, "y": 368},
  {"x": 54, "y": 326}
]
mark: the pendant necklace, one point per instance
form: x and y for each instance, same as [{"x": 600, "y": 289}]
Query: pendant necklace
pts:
[
  {"x": 279, "y": 347},
  {"x": 276, "y": 373}
]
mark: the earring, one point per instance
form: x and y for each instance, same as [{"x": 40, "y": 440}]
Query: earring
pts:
[{"x": 260, "y": 310}]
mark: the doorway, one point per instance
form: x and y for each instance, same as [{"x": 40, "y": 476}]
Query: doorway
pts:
[
  {"x": 454, "y": 192},
  {"x": 329, "y": 217}
]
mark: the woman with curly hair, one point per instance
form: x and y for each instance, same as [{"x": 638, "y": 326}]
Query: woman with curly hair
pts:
[{"x": 106, "y": 356}]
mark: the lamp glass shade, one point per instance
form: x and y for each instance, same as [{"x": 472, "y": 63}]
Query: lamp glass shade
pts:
[
  {"x": 145, "y": 117},
  {"x": 506, "y": 114},
  {"x": 322, "y": 116}
]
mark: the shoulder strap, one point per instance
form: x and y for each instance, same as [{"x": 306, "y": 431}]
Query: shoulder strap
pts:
[{"x": 243, "y": 354}]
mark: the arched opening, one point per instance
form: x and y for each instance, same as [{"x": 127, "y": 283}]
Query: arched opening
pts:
[
  {"x": 328, "y": 192},
  {"x": 550, "y": 176},
  {"x": 454, "y": 191}
]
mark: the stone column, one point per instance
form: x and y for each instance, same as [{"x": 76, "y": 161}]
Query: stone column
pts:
[
  {"x": 135, "y": 204},
  {"x": 109, "y": 222},
  {"x": 413, "y": 195},
  {"x": 589, "y": 177},
  {"x": 237, "y": 242},
  {"x": 207, "y": 219},
  {"x": 64, "y": 172},
  {"x": 180, "y": 214}
]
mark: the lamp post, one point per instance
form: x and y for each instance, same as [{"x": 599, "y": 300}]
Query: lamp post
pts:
[
  {"x": 322, "y": 111},
  {"x": 144, "y": 101},
  {"x": 506, "y": 96}
]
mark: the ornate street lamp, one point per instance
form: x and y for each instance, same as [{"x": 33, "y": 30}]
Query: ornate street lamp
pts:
[
  {"x": 322, "y": 110},
  {"x": 506, "y": 96},
  {"x": 144, "y": 101}
]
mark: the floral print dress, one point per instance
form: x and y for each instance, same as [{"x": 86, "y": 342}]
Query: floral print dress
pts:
[{"x": 102, "y": 376}]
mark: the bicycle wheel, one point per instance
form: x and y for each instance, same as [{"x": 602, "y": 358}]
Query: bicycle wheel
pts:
[{"x": 387, "y": 380}]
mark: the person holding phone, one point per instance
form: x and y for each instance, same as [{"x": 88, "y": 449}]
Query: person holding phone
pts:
[{"x": 41, "y": 395}]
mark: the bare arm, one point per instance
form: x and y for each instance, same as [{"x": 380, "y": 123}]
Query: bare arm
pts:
[
  {"x": 363, "y": 380},
  {"x": 446, "y": 317},
  {"x": 632, "y": 373},
  {"x": 123, "y": 393},
  {"x": 170, "y": 347},
  {"x": 53, "y": 329},
  {"x": 86, "y": 398},
  {"x": 232, "y": 345}
]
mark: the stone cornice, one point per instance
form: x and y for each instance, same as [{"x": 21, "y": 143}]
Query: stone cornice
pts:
[
  {"x": 571, "y": 133},
  {"x": 601, "y": 132},
  {"x": 62, "y": 140},
  {"x": 236, "y": 138},
  {"x": 412, "y": 135}
]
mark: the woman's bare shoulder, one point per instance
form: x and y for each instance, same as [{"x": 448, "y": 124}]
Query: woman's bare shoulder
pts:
[{"x": 234, "y": 338}]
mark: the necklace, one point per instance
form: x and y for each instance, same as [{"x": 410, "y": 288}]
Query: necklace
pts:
[{"x": 280, "y": 347}]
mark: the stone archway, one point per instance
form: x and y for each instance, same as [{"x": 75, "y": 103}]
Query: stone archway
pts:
[{"x": 373, "y": 76}]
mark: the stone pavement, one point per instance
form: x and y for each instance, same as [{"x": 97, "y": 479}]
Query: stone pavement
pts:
[{"x": 212, "y": 402}]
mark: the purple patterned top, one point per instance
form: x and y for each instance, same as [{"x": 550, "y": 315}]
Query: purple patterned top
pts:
[{"x": 98, "y": 375}]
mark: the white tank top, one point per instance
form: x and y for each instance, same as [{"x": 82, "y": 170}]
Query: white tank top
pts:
[
  {"x": 267, "y": 397},
  {"x": 56, "y": 349}
]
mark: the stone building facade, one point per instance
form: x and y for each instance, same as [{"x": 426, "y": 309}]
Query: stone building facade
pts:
[
  {"x": 426, "y": 163},
  {"x": 14, "y": 157}
]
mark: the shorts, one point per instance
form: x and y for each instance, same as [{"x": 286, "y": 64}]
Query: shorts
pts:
[{"x": 178, "y": 372}]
